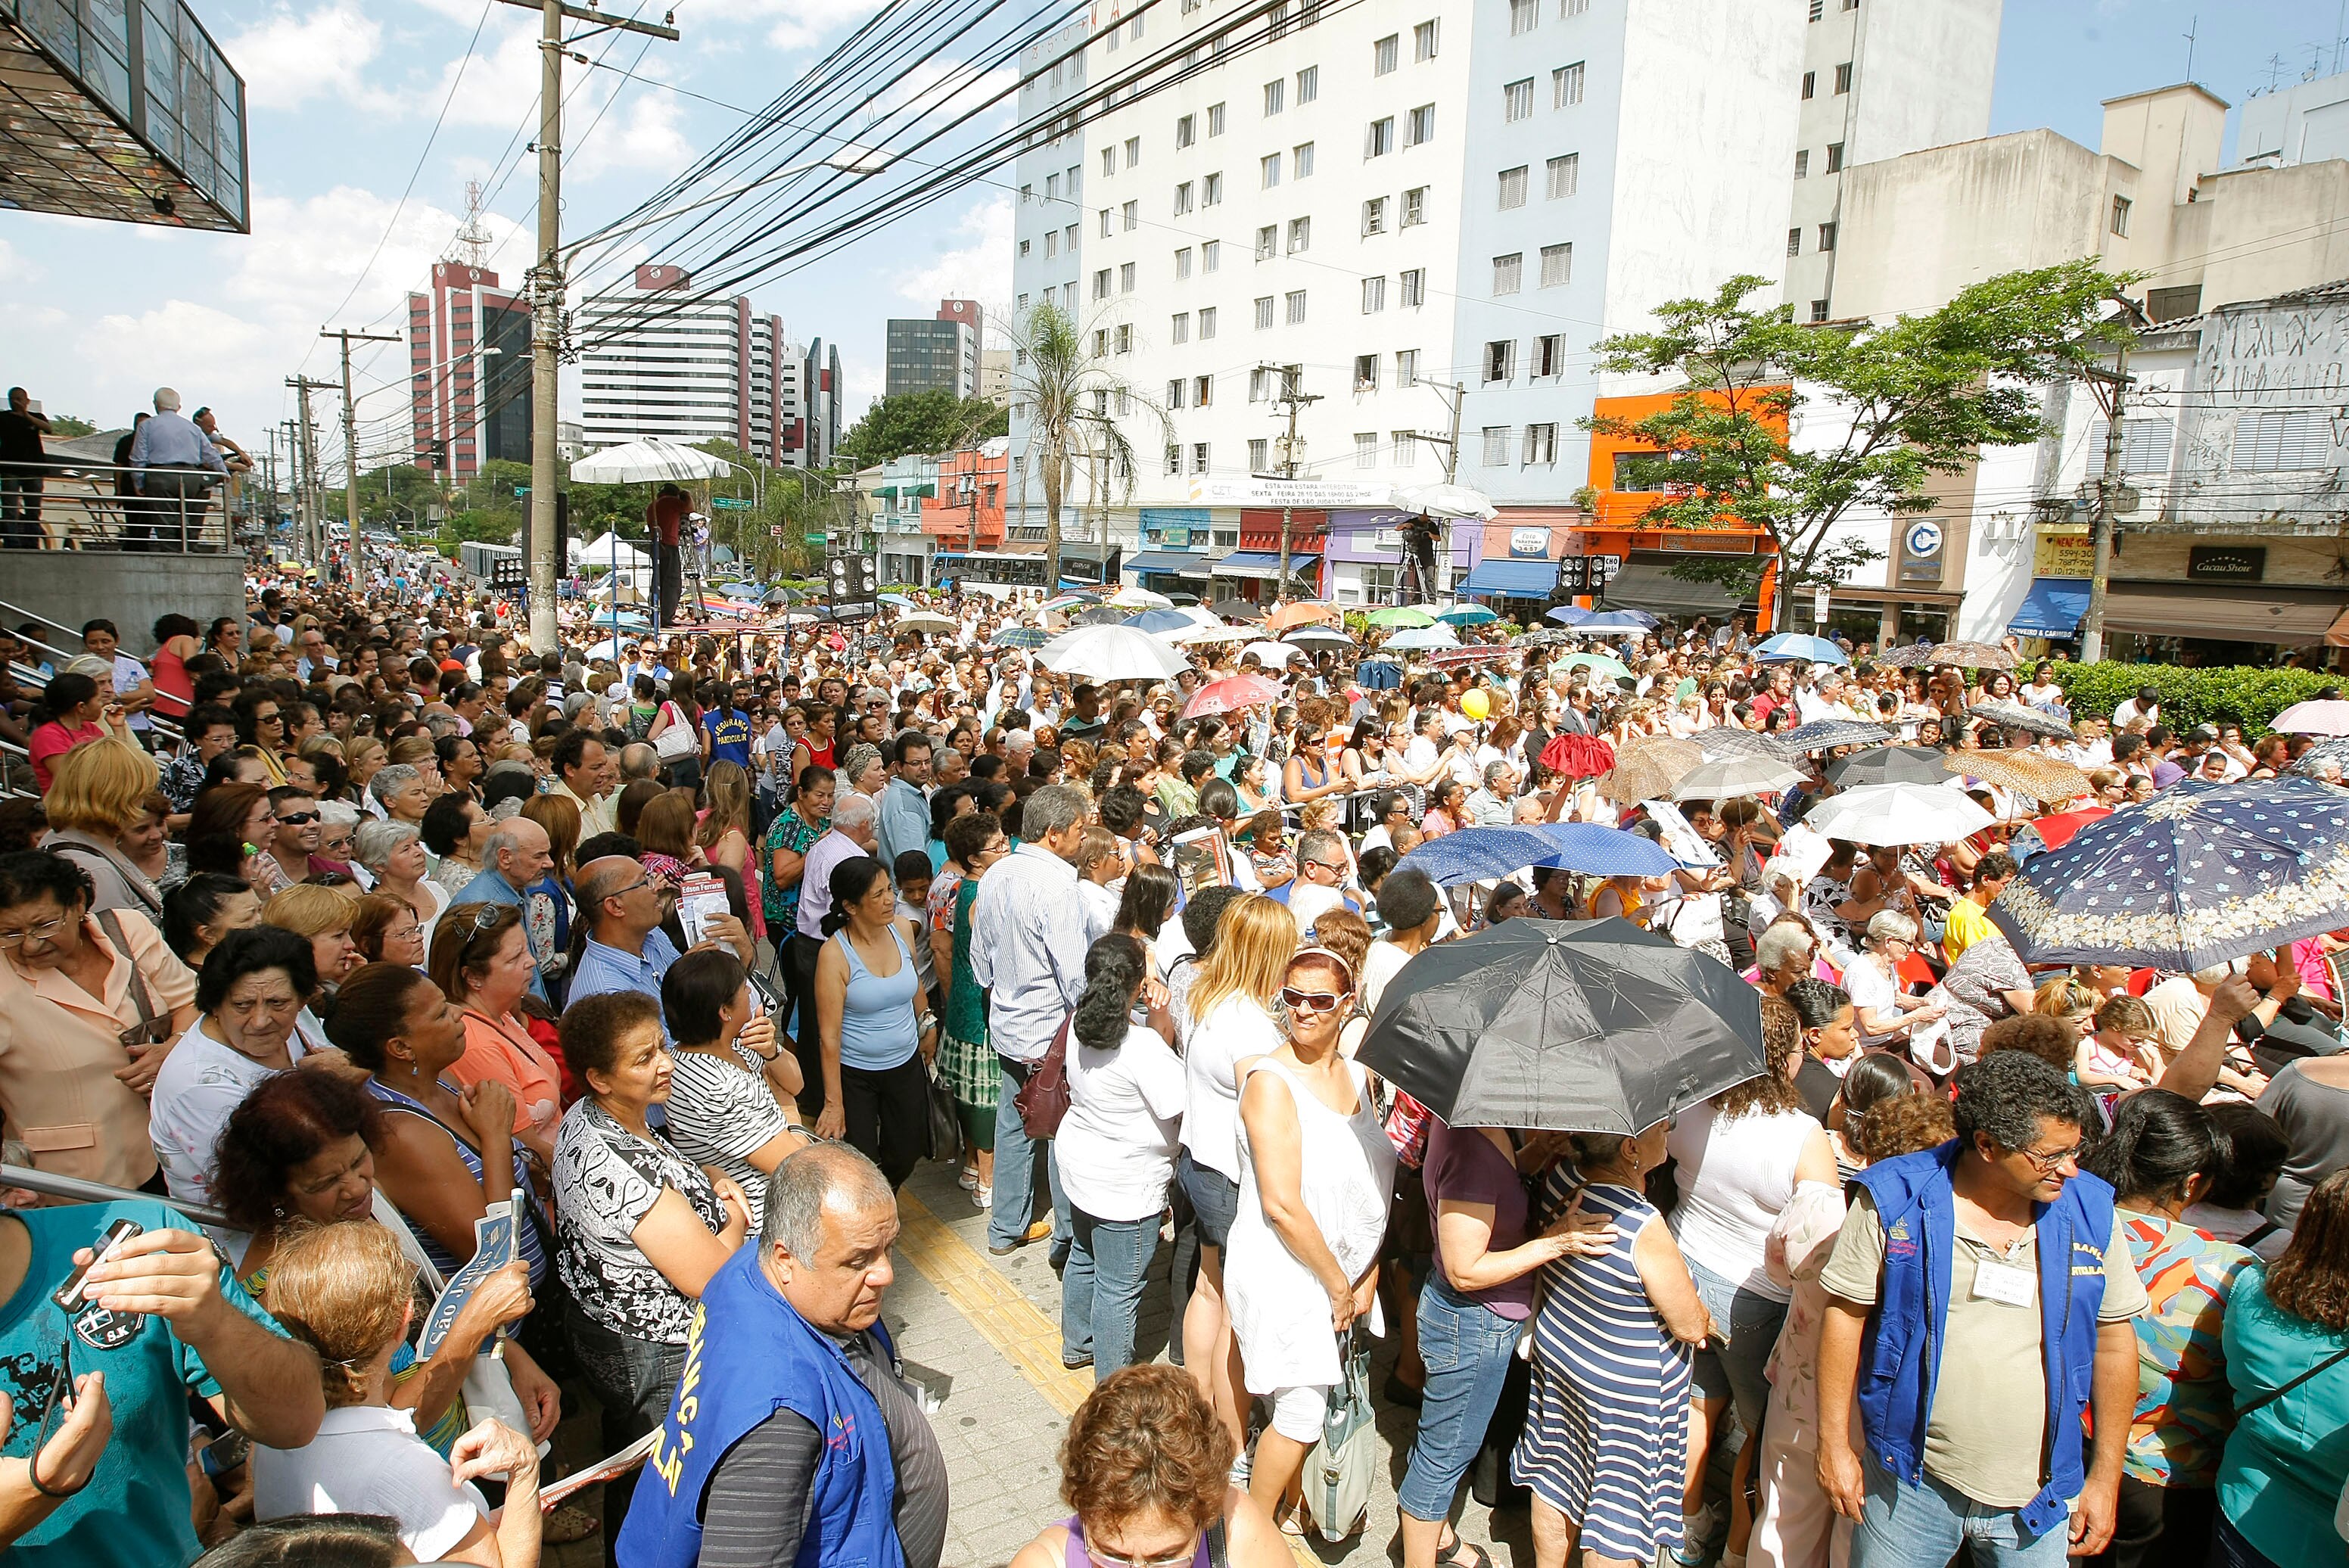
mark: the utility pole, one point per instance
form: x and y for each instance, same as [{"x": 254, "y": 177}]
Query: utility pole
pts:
[
  {"x": 1290, "y": 400},
  {"x": 2108, "y": 491},
  {"x": 546, "y": 289},
  {"x": 351, "y": 446},
  {"x": 306, "y": 447}
]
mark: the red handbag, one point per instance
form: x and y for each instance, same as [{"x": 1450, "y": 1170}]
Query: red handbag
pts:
[{"x": 1043, "y": 1099}]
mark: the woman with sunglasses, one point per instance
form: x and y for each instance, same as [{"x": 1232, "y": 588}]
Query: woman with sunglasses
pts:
[
  {"x": 1316, "y": 1174},
  {"x": 1146, "y": 1465}
]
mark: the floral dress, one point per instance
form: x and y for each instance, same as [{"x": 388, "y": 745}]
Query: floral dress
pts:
[{"x": 789, "y": 833}]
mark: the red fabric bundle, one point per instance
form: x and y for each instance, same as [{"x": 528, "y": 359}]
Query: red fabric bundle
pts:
[{"x": 1577, "y": 755}]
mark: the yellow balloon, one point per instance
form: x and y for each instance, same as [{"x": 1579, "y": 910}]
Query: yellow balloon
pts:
[{"x": 1477, "y": 704}]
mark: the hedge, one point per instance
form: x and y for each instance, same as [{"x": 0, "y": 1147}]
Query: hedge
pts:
[{"x": 2238, "y": 694}]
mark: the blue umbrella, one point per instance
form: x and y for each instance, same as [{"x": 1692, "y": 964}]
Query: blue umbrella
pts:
[
  {"x": 1022, "y": 637},
  {"x": 1466, "y": 615},
  {"x": 1787, "y": 646},
  {"x": 1614, "y": 623},
  {"x": 1379, "y": 675},
  {"x": 898, "y": 601},
  {"x": 1436, "y": 636},
  {"x": 1572, "y": 615},
  {"x": 1162, "y": 621},
  {"x": 1637, "y": 619},
  {"x": 2202, "y": 873},
  {"x": 1481, "y": 854}
]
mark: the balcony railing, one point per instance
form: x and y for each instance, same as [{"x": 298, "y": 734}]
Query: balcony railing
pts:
[{"x": 70, "y": 505}]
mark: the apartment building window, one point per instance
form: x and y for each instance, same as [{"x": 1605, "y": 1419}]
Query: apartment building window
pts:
[
  {"x": 1402, "y": 450},
  {"x": 1508, "y": 271},
  {"x": 1378, "y": 139},
  {"x": 1795, "y": 241},
  {"x": 2275, "y": 441},
  {"x": 1051, "y": 293},
  {"x": 1406, "y": 367},
  {"x": 1835, "y": 157},
  {"x": 2120, "y": 216},
  {"x": 1183, "y": 263},
  {"x": 1174, "y": 393},
  {"x": 1101, "y": 342},
  {"x": 1101, "y": 283},
  {"x": 1496, "y": 446},
  {"x": 1374, "y": 296},
  {"x": 1843, "y": 77},
  {"x": 1818, "y": 9},
  {"x": 1126, "y": 339},
  {"x": 1076, "y": 182},
  {"x": 1179, "y": 330},
  {"x": 1501, "y": 360},
  {"x": 1574, "y": 7},
  {"x": 1203, "y": 391},
  {"x": 1211, "y": 191},
  {"x": 1366, "y": 448},
  {"x": 1027, "y": 194},
  {"x": 1104, "y": 224},
  {"x": 1198, "y": 457},
  {"x": 1207, "y": 324},
  {"x": 1802, "y": 163},
  {"x": 1818, "y": 310},
  {"x": 1275, "y": 92},
  {"x": 1263, "y": 312},
  {"x": 1051, "y": 188},
  {"x": 1051, "y": 244},
  {"x": 1810, "y": 84},
  {"x": 1294, "y": 299},
  {"x": 1566, "y": 86},
  {"x": 1415, "y": 287},
  {"x": 1512, "y": 188},
  {"x": 1366, "y": 373},
  {"x": 1214, "y": 120},
  {"x": 1565, "y": 175},
  {"x": 1211, "y": 254},
  {"x": 1260, "y": 385},
  {"x": 1125, "y": 278},
  {"x": 1517, "y": 99},
  {"x": 1385, "y": 53},
  {"x": 1414, "y": 206},
  {"x": 1300, "y": 234},
  {"x": 1268, "y": 241},
  {"x": 1023, "y": 311},
  {"x": 1174, "y": 457},
  {"x": 1109, "y": 166},
  {"x": 1422, "y": 125},
  {"x": 1525, "y": 15},
  {"x": 1309, "y": 85},
  {"x": 1549, "y": 356},
  {"x": 1374, "y": 215},
  {"x": 1557, "y": 265},
  {"x": 1259, "y": 454},
  {"x": 1541, "y": 444},
  {"x": 1132, "y": 214},
  {"x": 1133, "y": 152},
  {"x": 1068, "y": 239},
  {"x": 1422, "y": 41},
  {"x": 1826, "y": 236},
  {"x": 1268, "y": 166},
  {"x": 1280, "y": 20},
  {"x": 1186, "y": 132}
]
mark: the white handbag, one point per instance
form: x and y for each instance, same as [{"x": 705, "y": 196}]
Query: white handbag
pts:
[{"x": 674, "y": 743}]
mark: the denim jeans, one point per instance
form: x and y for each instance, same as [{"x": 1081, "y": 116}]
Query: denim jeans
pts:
[
  {"x": 1904, "y": 1526},
  {"x": 1468, "y": 1347},
  {"x": 1746, "y": 1324},
  {"x": 2228, "y": 1549},
  {"x": 633, "y": 1379},
  {"x": 1015, "y": 1172},
  {"x": 1100, "y": 1290}
]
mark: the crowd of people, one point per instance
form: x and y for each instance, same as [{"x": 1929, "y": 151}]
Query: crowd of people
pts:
[{"x": 372, "y": 937}]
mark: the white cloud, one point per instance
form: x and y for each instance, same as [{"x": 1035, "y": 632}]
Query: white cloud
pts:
[
  {"x": 501, "y": 82},
  {"x": 15, "y": 267},
  {"x": 289, "y": 57},
  {"x": 977, "y": 267},
  {"x": 641, "y": 134}
]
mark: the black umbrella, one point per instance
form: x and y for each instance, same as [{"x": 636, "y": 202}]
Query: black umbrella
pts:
[
  {"x": 1889, "y": 765},
  {"x": 1568, "y": 1026},
  {"x": 1102, "y": 615},
  {"x": 1826, "y": 734},
  {"x": 1237, "y": 610}
]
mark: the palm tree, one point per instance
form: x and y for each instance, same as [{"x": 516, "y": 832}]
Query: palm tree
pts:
[{"x": 1067, "y": 390}]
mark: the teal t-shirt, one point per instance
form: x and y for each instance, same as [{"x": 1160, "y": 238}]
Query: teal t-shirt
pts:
[{"x": 134, "y": 1512}]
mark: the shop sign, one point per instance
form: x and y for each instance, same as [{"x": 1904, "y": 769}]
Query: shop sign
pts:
[
  {"x": 2063, "y": 549},
  {"x": 2226, "y": 563},
  {"x": 1529, "y": 543}
]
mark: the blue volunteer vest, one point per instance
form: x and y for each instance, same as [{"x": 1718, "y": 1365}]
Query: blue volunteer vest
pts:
[
  {"x": 1899, "y": 1354},
  {"x": 769, "y": 1359}
]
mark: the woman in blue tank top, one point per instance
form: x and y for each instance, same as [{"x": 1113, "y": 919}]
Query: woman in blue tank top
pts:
[{"x": 876, "y": 1038}]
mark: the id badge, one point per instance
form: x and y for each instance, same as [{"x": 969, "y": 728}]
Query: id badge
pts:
[{"x": 2004, "y": 1281}]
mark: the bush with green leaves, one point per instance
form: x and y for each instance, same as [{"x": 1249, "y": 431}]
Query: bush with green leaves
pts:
[{"x": 2229, "y": 694}]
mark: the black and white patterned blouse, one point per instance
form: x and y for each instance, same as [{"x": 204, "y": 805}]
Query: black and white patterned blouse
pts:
[{"x": 607, "y": 1178}]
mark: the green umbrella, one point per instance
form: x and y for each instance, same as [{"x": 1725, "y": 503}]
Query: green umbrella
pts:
[
  {"x": 1400, "y": 615},
  {"x": 1600, "y": 664}
]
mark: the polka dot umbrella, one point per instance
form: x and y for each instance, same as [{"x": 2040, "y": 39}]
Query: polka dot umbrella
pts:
[{"x": 2201, "y": 874}]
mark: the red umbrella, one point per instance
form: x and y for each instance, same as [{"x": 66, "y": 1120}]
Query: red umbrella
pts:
[
  {"x": 2056, "y": 832},
  {"x": 1231, "y": 695}
]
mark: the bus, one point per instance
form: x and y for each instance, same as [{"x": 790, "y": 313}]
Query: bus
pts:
[{"x": 498, "y": 563}]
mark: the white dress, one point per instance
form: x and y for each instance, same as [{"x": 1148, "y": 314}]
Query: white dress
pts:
[{"x": 1280, "y": 1313}]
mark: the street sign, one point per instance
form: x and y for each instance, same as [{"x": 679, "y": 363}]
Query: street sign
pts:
[
  {"x": 729, "y": 503},
  {"x": 521, "y": 490},
  {"x": 774, "y": 530}
]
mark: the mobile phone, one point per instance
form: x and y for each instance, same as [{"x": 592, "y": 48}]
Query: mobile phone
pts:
[
  {"x": 68, "y": 1295},
  {"x": 95, "y": 1326}
]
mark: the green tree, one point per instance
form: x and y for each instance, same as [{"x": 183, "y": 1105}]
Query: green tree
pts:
[
  {"x": 933, "y": 421},
  {"x": 1898, "y": 404},
  {"x": 1067, "y": 392},
  {"x": 66, "y": 427}
]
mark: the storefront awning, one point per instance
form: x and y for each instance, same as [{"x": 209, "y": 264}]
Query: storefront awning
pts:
[
  {"x": 1177, "y": 563},
  {"x": 1646, "y": 585},
  {"x": 2052, "y": 609},
  {"x": 1512, "y": 579},
  {"x": 2227, "y": 614},
  {"x": 1263, "y": 563}
]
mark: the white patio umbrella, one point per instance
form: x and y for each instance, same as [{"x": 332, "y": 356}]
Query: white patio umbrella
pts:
[
  {"x": 645, "y": 462},
  {"x": 1898, "y": 814},
  {"x": 1447, "y": 500},
  {"x": 1274, "y": 653},
  {"x": 1731, "y": 777},
  {"x": 1215, "y": 634},
  {"x": 1112, "y": 654},
  {"x": 1140, "y": 599}
]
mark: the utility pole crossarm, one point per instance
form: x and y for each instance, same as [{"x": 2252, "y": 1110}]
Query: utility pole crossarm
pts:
[
  {"x": 600, "y": 19},
  {"x": 351, "y": 444}
]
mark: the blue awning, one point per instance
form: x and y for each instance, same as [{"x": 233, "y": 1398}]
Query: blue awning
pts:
[
  {"x": 1183, "y": 562},
  {"x": 2053, "y": 608},
  {"x": 1264, "y": 563},
  {"x": 1512, "y": 579},
  {"x": 948, "y": 555}
]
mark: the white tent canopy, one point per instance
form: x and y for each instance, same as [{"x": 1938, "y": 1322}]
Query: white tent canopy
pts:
[
  {"x": 611, "y": 546},
  {"x": 641, "y": 461}
]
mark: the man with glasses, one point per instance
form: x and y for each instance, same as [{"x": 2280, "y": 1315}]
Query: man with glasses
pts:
[
  {"x": 1979, "y": 1298},
  {"x": 626, "y": 948},
  {"x": 1321, "y": 871},
  {"x": 297, "y": 834}
]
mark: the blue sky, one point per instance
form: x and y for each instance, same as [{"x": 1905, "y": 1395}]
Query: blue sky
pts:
[{"x": 345, "y": 93}]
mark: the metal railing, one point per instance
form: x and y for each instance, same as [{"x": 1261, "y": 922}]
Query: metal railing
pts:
[
  {"x": 73, "y": 1189},
  {"x": 60, "y": 655},
  {"x": 69, "y": 505}
]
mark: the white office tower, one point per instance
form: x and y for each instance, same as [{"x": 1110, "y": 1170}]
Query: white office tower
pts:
[{"x": 656, "y": 361}]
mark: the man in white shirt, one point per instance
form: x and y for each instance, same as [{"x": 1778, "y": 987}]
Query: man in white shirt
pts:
[
  {"x": 2145, "y": 705},
  {"x": 1321, "y": 868}
]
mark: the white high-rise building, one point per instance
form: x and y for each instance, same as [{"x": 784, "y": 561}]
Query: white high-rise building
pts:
[
  {"x": 652, "y": 365},
  {"x": 1418, "y": 209}
]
